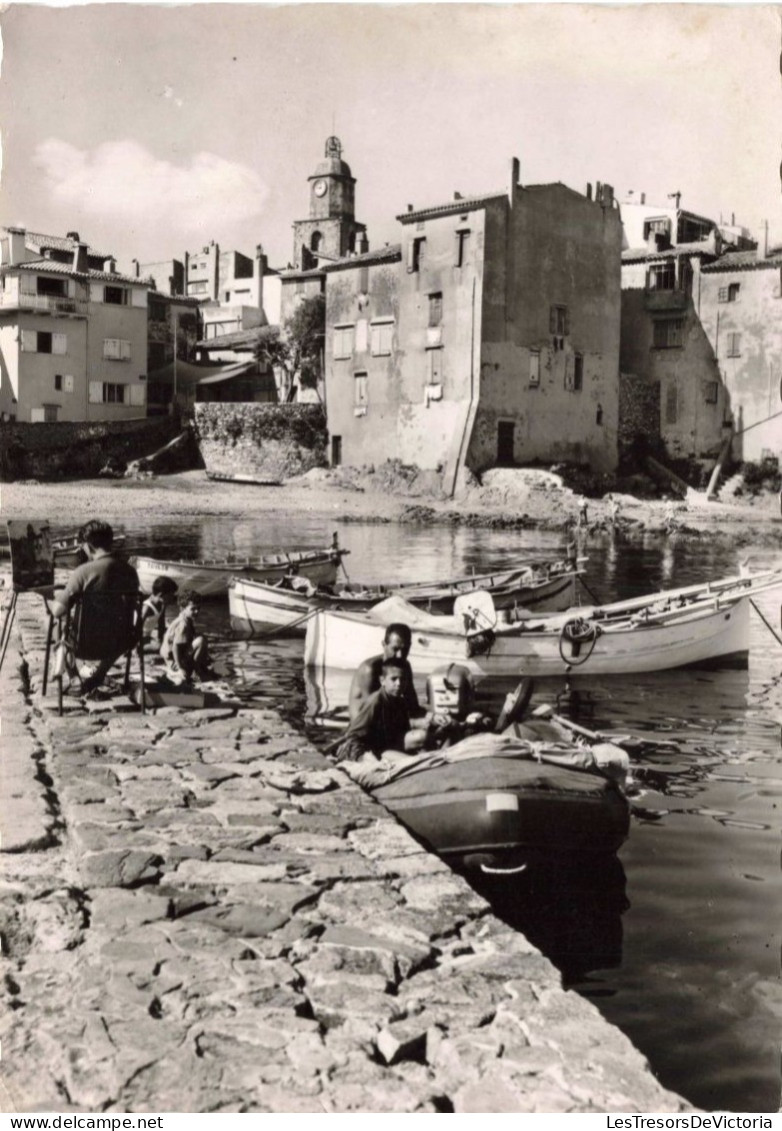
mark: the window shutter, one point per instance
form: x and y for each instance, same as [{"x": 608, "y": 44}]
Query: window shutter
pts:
[
  {"x": 30, "y": 341},
  {"x": 96, "y": 392},
  {"x": 139, "y": 296},
  {"x": 137, "y": 394},
  {"x": 552, "y": 320},
  {"x": 59, "y": 343},
  {"x": 96, "y": 292},
  {"x": 124, "y": 350},
  {"x": 411, "y": 255},
  {"x": 68, "y": 383}
]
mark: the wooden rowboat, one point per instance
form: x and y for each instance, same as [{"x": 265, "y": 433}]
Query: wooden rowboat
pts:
[
  {"x": 662, "y": 631},
  {"x": 210, "y": 578},
  {"x": 68, "y": 552},
  {"x": 285, "y": 605}
]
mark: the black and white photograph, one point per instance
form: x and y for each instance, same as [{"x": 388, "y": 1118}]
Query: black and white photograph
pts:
[{"x": 391, "y": 560}]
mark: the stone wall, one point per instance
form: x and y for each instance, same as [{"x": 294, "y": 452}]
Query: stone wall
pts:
[
  {"x": 639, "y": 416},
  {"x": 50, "y": 451},
  {"x": 202, "y": 914},
  {"x": 261, "y": 441}
]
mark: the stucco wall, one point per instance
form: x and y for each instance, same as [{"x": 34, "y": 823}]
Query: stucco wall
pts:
[
  {"x": 690, "y": 416},
  {"x": 554, "y": 247},
  {"x": 372, "y": 432},
  {"x": 639, "y": 416},
  {"x": 262, "y": 441},
  {"x": 108, "y": 320},
  {"x": 36, "y": 371},
  {"x": 753, "y": 380},
  {"x": 51, "y": 451}
]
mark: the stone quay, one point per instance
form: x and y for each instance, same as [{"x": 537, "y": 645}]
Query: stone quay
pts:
[{"x": 199, "y": 913}]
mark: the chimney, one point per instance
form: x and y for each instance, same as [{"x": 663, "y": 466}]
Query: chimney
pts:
[
  {"x": 261, "y": 263},
  {"x": 80, "y": 256},
  {"x": 457, "y": 196},
  {"x": 409, "y": 208},
  {"x": 515, "y": 173},
  {"x": 17, "y": 249},
  {"x": 363, "y": 243},
  {"x": 589, "y": 190},
  {"x": 136, "y": 267},
  {"x": 643, "y": 198},
  {"x": 109, "y": 266}
]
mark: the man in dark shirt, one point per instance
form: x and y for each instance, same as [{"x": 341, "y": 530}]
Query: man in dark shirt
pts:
[
  {"x": 103, "y": 586},
  {"x": 382, "y": 720},
  {"x": 396, "y": 646}
]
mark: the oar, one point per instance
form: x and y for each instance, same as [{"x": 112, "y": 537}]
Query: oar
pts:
[
  {"x": 765, "y": 622},
  {"x": 617, "y": 739}
]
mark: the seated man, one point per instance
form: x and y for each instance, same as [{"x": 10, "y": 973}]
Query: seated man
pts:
[
  {"x": 382, "y": 722},
  {"x": 184, "y": 652},
  {"x": 396, "y": 645},
  {"x": 99, "y": 585}
]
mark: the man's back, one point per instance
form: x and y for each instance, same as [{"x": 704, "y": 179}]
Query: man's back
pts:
[{"x": 104, "y": 591}]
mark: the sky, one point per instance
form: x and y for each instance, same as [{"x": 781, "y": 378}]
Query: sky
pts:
[{"x": 152, "y": 130}]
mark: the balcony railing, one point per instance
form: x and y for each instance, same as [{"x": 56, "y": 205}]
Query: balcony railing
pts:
[
  {"x": 44, "y": 304},
  {"x": 666, "y": 300}
]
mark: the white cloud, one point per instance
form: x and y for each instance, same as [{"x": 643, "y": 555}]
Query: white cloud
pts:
[{"x": 121, "y": 180}]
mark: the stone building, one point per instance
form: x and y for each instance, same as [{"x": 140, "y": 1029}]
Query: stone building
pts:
[
  {"x": 489, "y": 335},
  {"x": 740, "y": 307},
  {"x": 230, "y": 288},
  {"x": 73, "y": 332},
  {"x": 702, "y": 320}
]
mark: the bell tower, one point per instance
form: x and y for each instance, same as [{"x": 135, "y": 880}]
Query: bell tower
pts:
[{"x": 330, "y": 232}]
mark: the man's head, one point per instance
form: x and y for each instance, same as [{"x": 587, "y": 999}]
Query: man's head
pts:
[
  {"x": 96, "y": 535},
  {"x": 396, "y": 642},
  {"x": 391, "y": 674}
]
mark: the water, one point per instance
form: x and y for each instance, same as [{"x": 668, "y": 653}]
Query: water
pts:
[{"x": 677, "y": 941}]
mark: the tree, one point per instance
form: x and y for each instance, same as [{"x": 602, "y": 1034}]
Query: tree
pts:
[{"x": 297, "y": 349}]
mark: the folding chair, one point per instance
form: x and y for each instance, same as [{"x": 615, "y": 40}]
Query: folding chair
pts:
[{"x": 102, "y": 625}]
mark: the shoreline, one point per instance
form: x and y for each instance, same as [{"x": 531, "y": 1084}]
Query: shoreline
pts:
[{"x": 518, "y": 506}]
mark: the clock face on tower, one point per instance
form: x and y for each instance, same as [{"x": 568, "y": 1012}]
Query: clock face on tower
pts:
[{"x": 320, "y": 188}]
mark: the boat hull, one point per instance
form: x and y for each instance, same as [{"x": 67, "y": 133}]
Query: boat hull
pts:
[
  {"x": 706, "y": 634},
  {"x": 499, "y": 807},
  {"x": 211, "y": 579},
  {"x": 258, "y": 607}
]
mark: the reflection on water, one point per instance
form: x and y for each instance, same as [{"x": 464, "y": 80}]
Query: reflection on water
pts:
[
  {"x": 678, "y": 943},
  {"x": 572, "y": 911}
]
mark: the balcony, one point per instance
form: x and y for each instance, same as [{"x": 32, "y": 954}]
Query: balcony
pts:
[
  {"x": 43, "y": 304},
  {"x": 666, "y": 300}
]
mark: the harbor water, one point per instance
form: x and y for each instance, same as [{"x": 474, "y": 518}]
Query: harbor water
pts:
[{"x": 678, "y": 940}]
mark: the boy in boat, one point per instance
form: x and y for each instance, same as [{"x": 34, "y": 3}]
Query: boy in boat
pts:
[
  {"x": 186, "y": 653},
  {"x": 366, "y": 681},
  {"x": 382, "y": 721},
  {"x": 104, "y": 573},
  {"x": 153, "y": 612}
]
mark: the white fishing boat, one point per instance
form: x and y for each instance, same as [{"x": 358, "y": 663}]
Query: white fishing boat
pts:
[
  {"x": 690, "y": 627},
  {"x": 210, "y": 578},
  {"x": 284, "y": 606}
]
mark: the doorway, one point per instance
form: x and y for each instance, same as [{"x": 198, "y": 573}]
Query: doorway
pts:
[
  {"x": 505, "y": 429},
  {"x": 336, "y": 451}
]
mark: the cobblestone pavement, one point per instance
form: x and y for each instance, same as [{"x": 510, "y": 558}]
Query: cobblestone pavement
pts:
[{"x": 199, "y": 913}]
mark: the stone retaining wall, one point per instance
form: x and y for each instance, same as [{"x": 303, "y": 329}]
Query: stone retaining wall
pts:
[
  {"x": 49, "y": 451},
  {"x": 204, "y": 915},
  {"x": 265, "y": 441},
  {"x": 639, "y": 416}
]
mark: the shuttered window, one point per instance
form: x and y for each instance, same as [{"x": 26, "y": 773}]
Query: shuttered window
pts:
[{"x": 116, "y": 349}]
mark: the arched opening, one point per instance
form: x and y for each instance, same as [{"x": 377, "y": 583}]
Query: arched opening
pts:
[{"x": 316, "y": 240}]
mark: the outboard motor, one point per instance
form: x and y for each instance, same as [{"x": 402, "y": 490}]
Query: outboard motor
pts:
[{"x": 450, "y": 691}]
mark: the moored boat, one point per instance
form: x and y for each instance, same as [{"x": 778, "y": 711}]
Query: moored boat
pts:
[
  {"x": 665, "y": 630},
  {"x": 210, "y": 578},
  {"x": 284, "y": 606},
  {"x": 68, "y": 549},
  {"x": 501, "y": 800}
]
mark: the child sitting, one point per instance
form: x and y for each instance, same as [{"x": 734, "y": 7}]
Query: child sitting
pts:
[
  {"x": 185, "y": 653},
  {"x": 153, "y": 611}
]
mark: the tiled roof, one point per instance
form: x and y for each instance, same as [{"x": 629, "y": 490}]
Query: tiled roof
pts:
[
  {"x": 745, "y": 261},
  {"x": 36, "y": 241},
  {"x": 382, "y": 255},
  {"x": 635, "y": 254},
  {"x": 464, "y": 204},
  {"x": 53, "y": 265}
]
